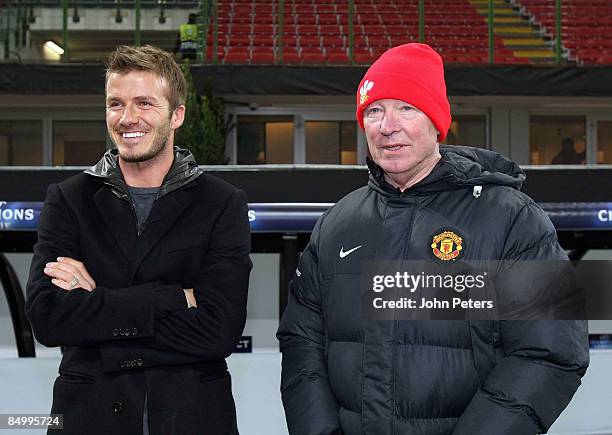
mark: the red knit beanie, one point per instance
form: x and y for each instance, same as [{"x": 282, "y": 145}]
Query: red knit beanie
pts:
[{"x": 412, "y": 73}]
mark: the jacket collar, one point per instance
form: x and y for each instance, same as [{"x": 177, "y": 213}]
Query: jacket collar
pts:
[
  {"x": 184, "y": 169},
  {"x": 437, "y": 180},
  {"x": 460, "y": 167}
]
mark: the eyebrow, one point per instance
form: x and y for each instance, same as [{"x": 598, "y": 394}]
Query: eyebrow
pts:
[
  {"x": 138, "y": 98},
  {"x": 146, "y": 97}
]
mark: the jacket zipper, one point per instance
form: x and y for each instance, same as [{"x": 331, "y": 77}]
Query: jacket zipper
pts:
[
  {"x": 122, "y": 195},
  {"x": 395, "y": 333},
  {"x": 138, "y": 232},
  {"x": 394, "y": 338},
  {"x": 135, "y": 219}
]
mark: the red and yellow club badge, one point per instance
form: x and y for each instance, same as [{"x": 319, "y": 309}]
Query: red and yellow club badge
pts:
[
  {"x": 363, "y": 91},
  {"x": 447, "y": 245}
]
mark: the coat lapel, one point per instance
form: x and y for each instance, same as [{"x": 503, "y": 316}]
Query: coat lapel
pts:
[
  {"x": 166, "y": 210},
  {"x": 119, "y": 217}
]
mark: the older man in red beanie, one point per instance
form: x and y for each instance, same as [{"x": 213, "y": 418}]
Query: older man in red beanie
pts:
[{"x": 344, "y": 373}]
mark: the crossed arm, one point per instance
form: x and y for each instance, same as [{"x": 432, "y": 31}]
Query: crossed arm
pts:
[
  {"x": 66, "y": 307},
  {"x": 69, "y": 274}
]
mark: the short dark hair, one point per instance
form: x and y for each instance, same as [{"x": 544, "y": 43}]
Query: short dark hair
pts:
[{"x": 150, "y": 59}]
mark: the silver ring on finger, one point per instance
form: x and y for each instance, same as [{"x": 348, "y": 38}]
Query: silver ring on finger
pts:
[{"x": 74, "y": 282}]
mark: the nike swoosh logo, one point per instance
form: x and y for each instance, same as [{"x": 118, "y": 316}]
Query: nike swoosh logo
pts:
[{"x": 344, "y": 253}]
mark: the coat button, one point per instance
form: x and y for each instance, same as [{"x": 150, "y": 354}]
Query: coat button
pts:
[
  {"x": 117, "y": 407},
  {"x": 134, "y": 331}
]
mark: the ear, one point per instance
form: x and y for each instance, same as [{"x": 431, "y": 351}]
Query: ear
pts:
[{"x": 178, "y": 116}]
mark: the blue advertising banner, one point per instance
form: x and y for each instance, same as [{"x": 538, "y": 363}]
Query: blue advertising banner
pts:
[
  {"x": 286, "y": 217},
  {"x": 580, "y": 215},
  {"x": 19, "y": 216},
  {"x": 301, "y": 217}
]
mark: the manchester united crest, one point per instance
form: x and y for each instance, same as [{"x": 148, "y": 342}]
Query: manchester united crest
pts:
[{"x": 447, "y": 245}]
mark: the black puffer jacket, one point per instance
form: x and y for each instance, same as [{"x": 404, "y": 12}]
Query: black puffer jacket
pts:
[{"x": 341, "y": 374}]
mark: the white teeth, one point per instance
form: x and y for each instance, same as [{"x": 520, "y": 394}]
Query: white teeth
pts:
[{"x": 132, "y": 134}]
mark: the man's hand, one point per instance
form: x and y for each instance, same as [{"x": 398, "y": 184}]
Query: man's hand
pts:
[
  {"x": 69, "y": 274},
  {"x": 191, "y": 300}
]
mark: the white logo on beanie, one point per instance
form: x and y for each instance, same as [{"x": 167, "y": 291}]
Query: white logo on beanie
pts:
[{"x": 363, "y": 91}]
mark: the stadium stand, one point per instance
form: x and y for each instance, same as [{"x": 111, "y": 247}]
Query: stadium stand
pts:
[
  {"x": 318, "y": 33},
  {"x": 585, "y": 27}
]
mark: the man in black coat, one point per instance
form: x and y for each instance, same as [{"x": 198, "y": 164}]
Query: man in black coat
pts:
[
  {"x": 345, "y": 373},
  {"x": 141, "y": 271}
]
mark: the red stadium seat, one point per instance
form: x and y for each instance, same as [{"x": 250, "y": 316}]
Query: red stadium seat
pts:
[
  {"x": 334, "y": 29},
  {"x": 583, "y": 25},
  {"x": 238, "y": 41},
  {"x": 237, "y": 56},
  {"x": 363, "y": 58},
  {"x": 326, "y": 8},
  {"x": 378, "y": 41},
  {"x": 262, "y": 56},
  {"x": 369, "y": 19},
  {"x": 327, "y": 19},
  {"x": 311, "y": 55},
  {"x": 396, "y": 29},
  {"x": 310, "y": 41},
  {"x": 263, "y": 28},
  {"x": 332, "y": 41},
  {"x": 308, "y": 29},
  {"x": 244, "y": 29},
  {"x": 337, "y": 58},
  {"x": 290, "y": 40},
  {"x": 220, "y": 54},
  {"x": 263, "y": 40},
  {"x": 455, "y": 27},
  {"x": 290, "y": 55},
  {"x": 399, "y": 40},
  {"x": 374, "y": 29},
  {"x": 335, "y": 50}
]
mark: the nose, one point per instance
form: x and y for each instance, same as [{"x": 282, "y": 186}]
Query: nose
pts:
[
  {"x": 129, "y": 116},
  {"x": 388, "y": 124}
]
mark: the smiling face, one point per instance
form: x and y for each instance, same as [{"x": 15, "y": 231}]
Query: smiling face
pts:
[
  {"x": 139, "y": 119},
  {"x": 401, "y": 140}
]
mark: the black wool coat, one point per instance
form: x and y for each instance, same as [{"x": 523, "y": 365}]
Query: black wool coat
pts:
[{"x": 133, "y": 335}]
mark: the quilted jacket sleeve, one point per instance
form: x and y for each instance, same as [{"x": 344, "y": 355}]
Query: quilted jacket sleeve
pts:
[
  {"x": 310, "y": 405},
  {"x": 543, "y": 360}
]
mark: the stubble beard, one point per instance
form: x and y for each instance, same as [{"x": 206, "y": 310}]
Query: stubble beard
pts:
[{"x": 160, "y": 139}]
